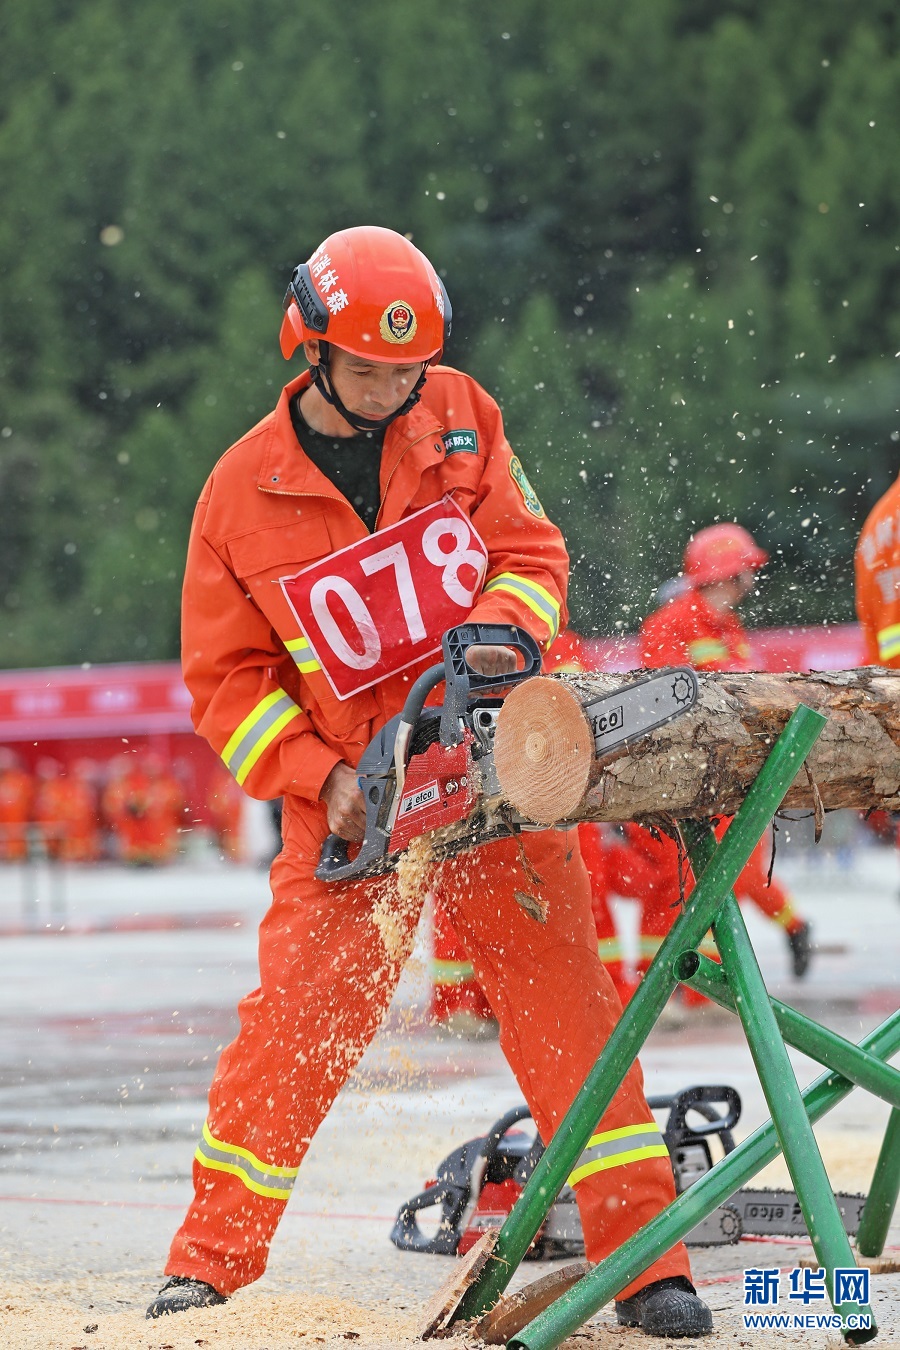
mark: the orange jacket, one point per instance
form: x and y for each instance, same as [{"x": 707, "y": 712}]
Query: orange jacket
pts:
[
  {"x": 266, "y": 512},
  {"x": 688, "y": 631},
  {"x": 878, "y": 580}
]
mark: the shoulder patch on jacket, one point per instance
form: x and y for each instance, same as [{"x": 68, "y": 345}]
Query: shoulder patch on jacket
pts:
[
  {"x": 529, "y": 496},
  {"x": 460, "y": 442}
]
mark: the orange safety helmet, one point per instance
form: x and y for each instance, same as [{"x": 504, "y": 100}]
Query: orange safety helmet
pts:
[
  {"x": 371, "y": 292},
  {"x": 720, "y": 552}
]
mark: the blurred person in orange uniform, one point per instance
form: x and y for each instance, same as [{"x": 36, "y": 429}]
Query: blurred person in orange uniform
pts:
[
  {"x": 144, "y": 805},
  {"x": 225, "y": 804},
  {"x": 877, "y": 563},
  {"x": 66, "y": 808},
  {"x": 16, "y": 798},
  {"x": 700, "y": 627},
  {"x": 386, "y": 479}
]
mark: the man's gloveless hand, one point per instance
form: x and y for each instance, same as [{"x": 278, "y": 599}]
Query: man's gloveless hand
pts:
[
  {"x": 491, "y": 660},
  {"x": 345, "y": 805}
]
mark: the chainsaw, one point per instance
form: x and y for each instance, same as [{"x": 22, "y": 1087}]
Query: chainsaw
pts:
[
  {"x": 430, "y": 767},
  {"x": 477, "y": 1185}
]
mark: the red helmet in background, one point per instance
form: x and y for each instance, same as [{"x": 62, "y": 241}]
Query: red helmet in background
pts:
[
  {"x": 721, "y": 552},
  {"x": 371, "y": 292}
]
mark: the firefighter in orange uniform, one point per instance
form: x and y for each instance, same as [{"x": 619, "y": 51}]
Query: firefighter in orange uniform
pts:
[
  {"x": 16, "y": 797},
  {"x": 145, "y": 806},
  {"x": 878, "y": 581},
  {"x": 66, "y": 808},
  {"x": 302, "y": 632},
  {"x": 700, "y": 627}
]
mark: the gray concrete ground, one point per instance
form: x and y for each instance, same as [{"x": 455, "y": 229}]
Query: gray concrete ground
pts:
[{"x": 119, "y": 988}]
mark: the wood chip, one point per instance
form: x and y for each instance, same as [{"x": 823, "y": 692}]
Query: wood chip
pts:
[
  {"x": 442, "y": 1305},
  {"x": 532, "y": 905},
  {"x": 515, "y": 1311}
]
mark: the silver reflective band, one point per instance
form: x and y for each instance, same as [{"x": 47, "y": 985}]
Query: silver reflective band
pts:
[
  {"x": 301, "y": 651},
  {"x": 616, "y": 1148},
  {"x": 536, "y": 597},
  {"x": 257, "y": 731},
  {"x": 259, "y": 1177}
]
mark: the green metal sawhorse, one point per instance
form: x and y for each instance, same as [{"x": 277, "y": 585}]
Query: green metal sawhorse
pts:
[{"x": 736, "y": 984}]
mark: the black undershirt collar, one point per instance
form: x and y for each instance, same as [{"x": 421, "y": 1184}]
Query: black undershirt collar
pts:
[{"x": 351, "y": 463}]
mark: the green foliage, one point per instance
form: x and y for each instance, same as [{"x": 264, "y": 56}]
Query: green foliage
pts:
[{"x": 669, "y": 232}]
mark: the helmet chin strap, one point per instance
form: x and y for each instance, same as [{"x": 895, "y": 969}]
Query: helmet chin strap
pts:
[{"x": 323, "y": 381}]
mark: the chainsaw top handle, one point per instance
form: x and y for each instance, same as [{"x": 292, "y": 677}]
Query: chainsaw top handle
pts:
[{"x": 462, "y": 680}]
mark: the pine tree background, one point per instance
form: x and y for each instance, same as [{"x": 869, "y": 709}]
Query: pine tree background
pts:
[{"x": 670, "y": 233}]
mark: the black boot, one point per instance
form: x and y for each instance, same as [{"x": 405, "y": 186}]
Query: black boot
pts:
[
  {"x": 666, "y": 1308},
  {"x": 181, "y": 1293},
  {"x": 800, "y": 943}
]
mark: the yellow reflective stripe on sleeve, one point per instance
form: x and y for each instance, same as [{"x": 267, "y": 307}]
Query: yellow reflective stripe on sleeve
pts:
[
  {"x": 539, "y": 600},
  {"x": 889, "y": 642},
  {"x": 260, "y": 1177},
  {"x": 300, "y": 650},
  {"x": 451, "y": 972},
  {"x": 706, "y": 649},
  {"x": 257, "y": 731},
  {"x": 617, "y": 1148}
]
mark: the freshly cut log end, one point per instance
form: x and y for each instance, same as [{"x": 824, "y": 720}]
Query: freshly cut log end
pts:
[{"x": 543, "y": 750}]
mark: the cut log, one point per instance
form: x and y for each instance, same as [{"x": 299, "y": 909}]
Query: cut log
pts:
[{"x": 701, "y": 764}]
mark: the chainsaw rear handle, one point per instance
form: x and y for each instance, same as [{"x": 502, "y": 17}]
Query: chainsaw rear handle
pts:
[
  {"x": 408, "y": 1236},
  {"x": 453, "y": 1190}
]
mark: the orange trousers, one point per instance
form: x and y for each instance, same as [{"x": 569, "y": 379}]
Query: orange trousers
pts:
[
  {"x": 330, "y": 958},
  {"x": 454, "y": 988}
]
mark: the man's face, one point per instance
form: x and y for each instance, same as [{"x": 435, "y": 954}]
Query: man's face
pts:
[
  {"x": 740, "y": 586},
  {"x": 372, "y": 389}
]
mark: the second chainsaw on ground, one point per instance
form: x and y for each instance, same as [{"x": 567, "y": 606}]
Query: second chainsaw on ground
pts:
[{"x": 476, "y": 1186}]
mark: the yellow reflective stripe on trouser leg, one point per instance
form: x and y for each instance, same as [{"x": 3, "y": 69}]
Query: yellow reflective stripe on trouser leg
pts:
[
  {"x": 258, "y": 730},
  {"x": 259, "y": 1177},
  {"x": 616, "y": 1148},
  {"x": 535, "y": 597},
  {"x": 889, "y": 642},
  {"x": 649, "y": 946},
  {"x": 301, "y": 651},
  {"x": 451, "y": 972}
]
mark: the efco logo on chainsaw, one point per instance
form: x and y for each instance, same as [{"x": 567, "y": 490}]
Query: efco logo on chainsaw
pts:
[
  {"x": 417, "y": 800},
  {"x": 614, "y": 720}
]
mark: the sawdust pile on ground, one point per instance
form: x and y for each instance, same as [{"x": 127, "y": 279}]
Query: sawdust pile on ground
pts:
[
  {"x": 60, "y": 1320},
  {"x": 60, "y": 1316},
  {"x": 247, "y": 1323}
]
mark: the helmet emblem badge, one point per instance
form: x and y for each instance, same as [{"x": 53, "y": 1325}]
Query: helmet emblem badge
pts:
[{"x": 398, "y": 322}]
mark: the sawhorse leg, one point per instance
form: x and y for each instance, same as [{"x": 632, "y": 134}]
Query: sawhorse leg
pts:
[{"x": 592, "y": 1100}]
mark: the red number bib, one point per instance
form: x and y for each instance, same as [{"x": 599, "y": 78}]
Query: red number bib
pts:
[{"x": 378, "y": 606}]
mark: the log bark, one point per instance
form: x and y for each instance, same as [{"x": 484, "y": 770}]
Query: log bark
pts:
[{"x": 701, "y": 764}]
